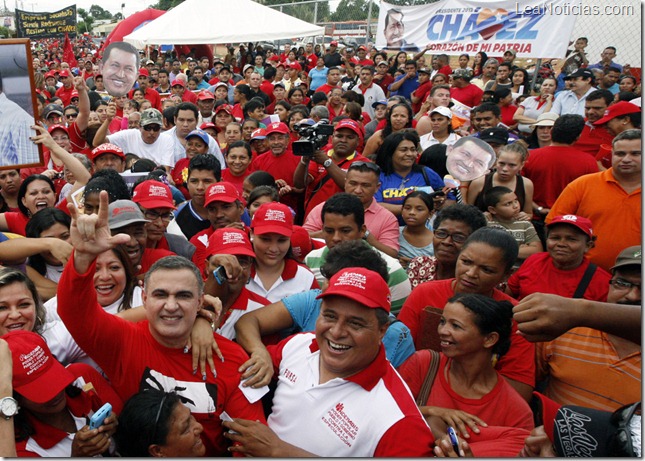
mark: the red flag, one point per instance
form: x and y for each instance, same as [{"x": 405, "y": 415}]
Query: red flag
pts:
[{"x": 68, "y": 53}]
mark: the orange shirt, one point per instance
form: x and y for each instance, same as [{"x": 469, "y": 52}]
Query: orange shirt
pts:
[{"x": 615, "y": 214}]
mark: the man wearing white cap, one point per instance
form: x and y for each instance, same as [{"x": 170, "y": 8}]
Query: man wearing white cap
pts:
[{"x": 337, "y": 395}]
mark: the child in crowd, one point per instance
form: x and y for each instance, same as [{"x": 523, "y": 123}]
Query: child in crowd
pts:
[{"x": 504, "y": 209}]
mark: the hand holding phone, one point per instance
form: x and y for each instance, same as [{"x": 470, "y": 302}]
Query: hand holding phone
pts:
[
  {"x": 97, "y": 418},
  {"x": 454, "y": 440},
  {"x": 220, "y": 275}
]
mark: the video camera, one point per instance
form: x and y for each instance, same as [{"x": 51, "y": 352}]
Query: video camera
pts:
[{"x": 312, "y": 137}]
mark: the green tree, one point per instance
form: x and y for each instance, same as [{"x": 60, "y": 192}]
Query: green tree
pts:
[
  {"x": 87, "y": 21},
  {"x": 166, "y": 4},
  {"x": 354, "y": 10},
  {"x": 98, "y": 12},
  {"x": 117, "y": 16}
]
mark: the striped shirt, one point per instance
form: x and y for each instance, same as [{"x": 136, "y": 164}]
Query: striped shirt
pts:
[
  {"x": 398, "y": 282},
  {"x": 16, "y": 147},
  {"x": 584, "y": 369}
]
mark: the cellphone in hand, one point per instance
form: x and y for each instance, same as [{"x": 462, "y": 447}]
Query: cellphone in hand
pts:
[
  {"x": 220, "y": 275},
  {"x": 97, "y": 418},
  {"x": 454, "y": 440}
]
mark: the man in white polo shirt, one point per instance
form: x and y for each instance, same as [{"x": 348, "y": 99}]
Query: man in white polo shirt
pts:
[{"x": 337, "y": 395}]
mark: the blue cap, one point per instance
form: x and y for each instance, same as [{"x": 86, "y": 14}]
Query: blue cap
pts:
[
  {"x": 200, "y": 134},
  {"x": 382, "y": 102}
]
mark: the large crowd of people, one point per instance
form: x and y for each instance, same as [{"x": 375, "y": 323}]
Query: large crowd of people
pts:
[{"x": 323, "y": 251}]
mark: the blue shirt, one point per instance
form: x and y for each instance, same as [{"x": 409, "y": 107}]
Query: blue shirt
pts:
[
  {"x": 318, "y": 77},
  {"x": 304, "y": 309},
  {"x": 406, "y": 87}
]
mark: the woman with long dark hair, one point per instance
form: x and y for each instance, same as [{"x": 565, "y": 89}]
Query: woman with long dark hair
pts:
[{"x": 398, "y": 117}]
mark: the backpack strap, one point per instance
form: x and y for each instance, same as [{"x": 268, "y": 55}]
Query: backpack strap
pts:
[
  {"x": 584, "y": 282},
  {"x": 429, "y": 379}
]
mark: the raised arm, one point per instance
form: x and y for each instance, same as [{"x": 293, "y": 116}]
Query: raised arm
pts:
[{"x": 83, "y": 104}]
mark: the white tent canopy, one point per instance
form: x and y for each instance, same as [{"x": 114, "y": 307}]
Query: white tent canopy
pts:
[{"x": 196, "y": 22}]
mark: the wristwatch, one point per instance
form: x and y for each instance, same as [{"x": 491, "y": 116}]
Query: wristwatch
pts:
[
  {"x": 327, "y": 163},
  {"x": 8, "y": 407}
]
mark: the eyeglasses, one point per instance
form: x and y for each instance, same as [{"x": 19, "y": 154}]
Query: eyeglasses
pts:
[
  {"x": 153, "y": 216},
  {"x": 71, "y": 115},
  {"x": 623, "y": 285},
  {"x": 152, "y": 127},
  {"x": 369, "y": 165},
  {"x": 457, "y": 238},
  {"x": 620, "y": 442}
]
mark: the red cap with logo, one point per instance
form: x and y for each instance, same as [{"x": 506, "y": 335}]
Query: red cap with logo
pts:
[
  {"x": 52, "y": 128},
  {"x": 153, "y": 194},
  {"x": 584, "y": 224},
  {"x": 295, "y": 65},
  {"x": 350, "y": 125},
  {"x": 618, "y": 110},
  {"x": 222, "y": 192},
  {"x": 63, "y": 73},
  {"x": 361, "y": 285},
  {"x": 143, "y": 71},
  {"x": 273, "y": 218},
  {"x": 106, "y": 148},
  {"x": 224, "y": 107},
  {"x": 37, "y": 375},
  {"x": 229, "y": 241},
  {"x": 205, "y": 95},
  {"x": 277, "y": 127},
  {"x": 179, "y": 82}
]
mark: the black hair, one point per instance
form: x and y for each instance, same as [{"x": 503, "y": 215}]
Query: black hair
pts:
[
  {"x": 626, "y": 96},
  {"x": 499, "y": 239},
  {"x": 144, "y": 421},
  {"x": 263, "y": 191},
  {"x": 493, "y": 195},
  {"x": 487, "y": 107},
  {"x": 123, "y": 46},
  {"x": 353, "y": 96},
  {"x": 269, "y": 72},
  {"x": 245, "y": 90},
  {"x": 468, "y": 214},
  {"x": 500, "y": 94},
  {"x": 243, "y": 144},
  {"x": 293, "y": 90},
  {"x": 390, "y": 143},
  {"x": 252, "y": 104},
  {"x": 434, "y": 157},
  {"x": 37, "y": 224},
  {"x": 169, "y": 115},
  {"x": 345, "y": 204},
  {"x": 354, "y": 253},
  {"x": 388, "y": 123},
  {"x": 144, "y": 165},
  {"x": 23, "y": 189},
  {"x": 567, "y": 128},
  {"x": 261, "y": 178},
  {"x": 187, "y": 106},
  {"x": 490, "y": 316},
  {"x": 205, "y": 162},
  {"x": 601, "y": 94},
  {"x": 424, "y": 196},
  {"x": 110, "y": 181}
]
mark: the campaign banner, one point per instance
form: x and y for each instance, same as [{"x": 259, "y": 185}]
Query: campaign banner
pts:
[
  {"x": 532, "y": 28},
  {"x": 46, "y": 25}
]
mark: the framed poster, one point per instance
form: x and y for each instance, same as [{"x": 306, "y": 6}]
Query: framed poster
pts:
[{"x": 18, "y": 106}]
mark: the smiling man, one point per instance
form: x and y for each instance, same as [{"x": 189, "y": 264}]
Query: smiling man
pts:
[
  {"x": 172, "y": 298},
  {"x": 361, "y": 406},
  {"x": 119, "y": 67}
]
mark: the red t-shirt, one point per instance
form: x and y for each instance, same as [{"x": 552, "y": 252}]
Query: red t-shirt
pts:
[
  {"x": 421, "y": 93},
  {"x": 518, "y": 363},
  {"x": 384, "y": 82},
  {"x": 538, "y": 274},
  {"x": 325, "y": 88},
  {"x": 507, "y": 114},
  {"x": 153, "y": 96},
  {"x": 591, "y": 138},
  {"x": 237, "y": 181},
  {"x": 267, "y": 87},
  {"x": 470, "y": 95}
]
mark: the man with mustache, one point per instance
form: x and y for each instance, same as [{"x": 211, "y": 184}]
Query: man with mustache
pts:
[{"x": 592, "y": 368}]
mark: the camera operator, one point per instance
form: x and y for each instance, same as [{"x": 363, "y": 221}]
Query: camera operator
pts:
[{"x": 326, "y": 170}]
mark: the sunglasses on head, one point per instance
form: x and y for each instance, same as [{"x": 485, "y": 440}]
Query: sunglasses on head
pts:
[
  {"x": 372, "y": 166},
  {"x": 152, "y": 127}
]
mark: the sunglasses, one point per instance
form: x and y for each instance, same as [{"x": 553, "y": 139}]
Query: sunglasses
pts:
[
  {"x": 620, "y": 442},
  {"x": 152, "y": 127}
]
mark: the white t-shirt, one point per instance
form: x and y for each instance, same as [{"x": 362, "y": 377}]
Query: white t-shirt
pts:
[
  {"x": 160, "y": 152},
  {"x": 179, "y": 151}
]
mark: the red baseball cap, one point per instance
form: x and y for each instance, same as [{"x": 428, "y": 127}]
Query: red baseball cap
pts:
[
  {"x": 222, "y": 192},
  {"x": 153, "y": 194},
  {"x": 295, "y": 65},
  {"x": 144, "y": 71},
  {"x": 548, "y": 409},
  {"x": 51, "y": 74},
  {"x": 301, "y": 243},
  {"x": 259, "y": 134},
  {"x": 206, "y": 125},
  {"x": 333, "y": 43},
  {"x": 63, "y": 73},
  {"x": 57, "y": 127},
  {"x": 205, "y": 95},
  {"x": 274, "y": 58},
  {"x": 361, "y": 285},
  {"x": 229, "y": 241},
  {"x": 37, "y": 375},
  {"x": 179, "y": 82},
  {"x": 106, "y": 148},
  {"x": 350, "y": 125},
  {"x": 224, "y": 107},
  {"x": 273, "y": 217},
  {"x": 617, "y": 110},
  {"x": 584, "y": 224},
  {"x": 277, "y": 127}
]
